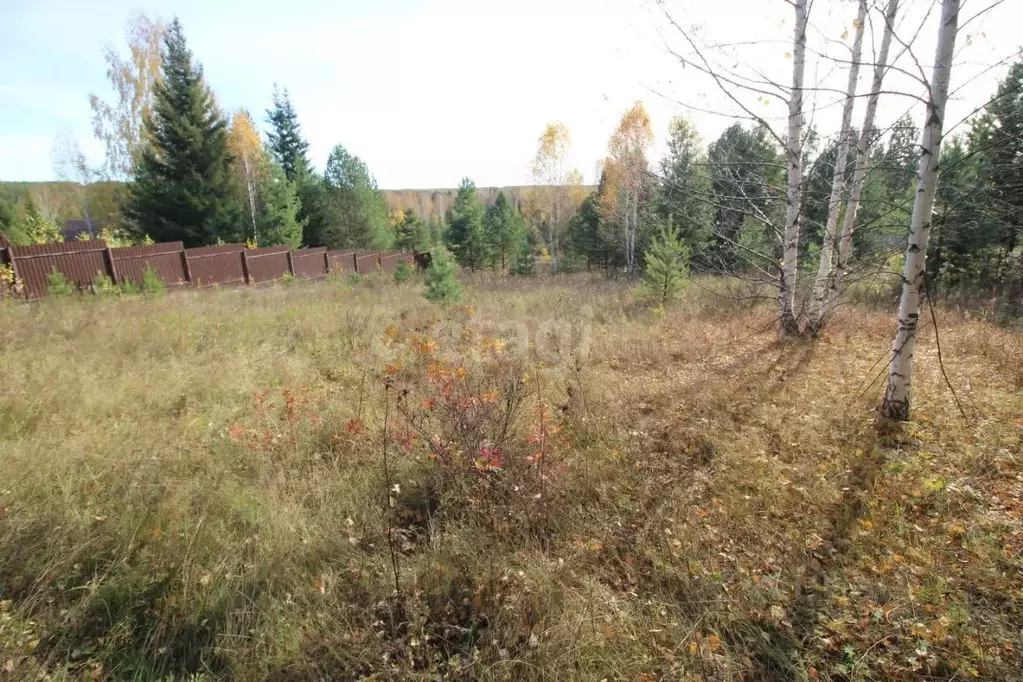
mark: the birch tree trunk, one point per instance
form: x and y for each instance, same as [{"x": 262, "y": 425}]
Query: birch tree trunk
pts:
[
  {"x": 818, "y": 303},
  {"x": 634, "y": 230},
  {"x": 852, "y": 207},
  {"x": 900, "y": 375},
  {"x": 251, "y": 187},
  {"x": 794, "y": 195}
]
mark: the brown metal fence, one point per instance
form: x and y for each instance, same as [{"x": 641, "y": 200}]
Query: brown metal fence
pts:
[
  {"x": 167, "y": 260},
  {"x": 211, "y": 265},
  {"x": 266, "y": 264},
  {"x": 341, "y": 261},
  {"x": 309, "y": 263},
  {"x": 367, "y": 262},
  {"x": 81, "y": 261}
]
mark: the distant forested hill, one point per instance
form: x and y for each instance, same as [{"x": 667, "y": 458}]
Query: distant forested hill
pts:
[{"x": 64, "y": 200}]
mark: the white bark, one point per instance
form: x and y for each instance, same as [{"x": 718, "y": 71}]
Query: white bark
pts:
[
  {"x": 251, "y": 186},
  {"x": 900, "y": 374},
  {"x": 818, "y": 303},
  {"x": 794, "y": 195},
  {"x": 852, "y": 207}
]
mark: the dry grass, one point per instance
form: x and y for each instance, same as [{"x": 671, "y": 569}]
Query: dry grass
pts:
[{"x": 193, "y": 487}]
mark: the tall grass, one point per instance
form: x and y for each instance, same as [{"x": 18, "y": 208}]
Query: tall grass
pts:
[{"x": 194, "y": 486}]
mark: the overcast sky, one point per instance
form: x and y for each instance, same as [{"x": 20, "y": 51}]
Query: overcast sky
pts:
[{"x": 429, "y": 91}]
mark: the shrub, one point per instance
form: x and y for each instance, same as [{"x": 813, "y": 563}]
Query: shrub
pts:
[
  {"x": 288, "y": 278},
  {"x": 10, "y": 284},
  {"x": 59, "y": 284},
  {"x": 441, "y": 284},
  {"x": 354, "y": 278},
  {"x": 102, "y": 285},
  {"x": 667, "y": 267},
  {"x": 403, "y": 273},
  {"x": 151, "y": 282},
  {"x": 130, "y": 288}
]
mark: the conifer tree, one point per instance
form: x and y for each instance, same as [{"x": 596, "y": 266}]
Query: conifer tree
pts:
[
  {"x": 503, "y": 228},
  {"x": 667, "y": 266},
  {"x": 466, "y": 234},
  {"x": 183, "y": 188},
  {"x": 441, "y": 284},
  {"x": 285, "y": 136}
]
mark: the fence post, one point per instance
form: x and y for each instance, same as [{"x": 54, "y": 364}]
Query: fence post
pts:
[
  {"x": 245, "y": 264},
  {"x": 108, "y": 257},
  {"x": 291, "y": 263},
  {"x": 184, "y": 266},
  {"x": 326, "y": 263},
  {"x": 14, "y": 268}
]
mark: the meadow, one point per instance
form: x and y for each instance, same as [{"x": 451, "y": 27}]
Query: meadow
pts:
[{"x": 548, "y": 481}]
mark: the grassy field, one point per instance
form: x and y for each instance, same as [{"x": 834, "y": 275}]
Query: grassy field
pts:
[{"x": 549, "y": 482}]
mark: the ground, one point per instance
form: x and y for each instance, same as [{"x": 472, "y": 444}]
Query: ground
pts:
[{"x": 550, "y": 480}]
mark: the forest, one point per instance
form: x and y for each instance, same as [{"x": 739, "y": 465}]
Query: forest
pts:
[{"x": 724, "y": 198}]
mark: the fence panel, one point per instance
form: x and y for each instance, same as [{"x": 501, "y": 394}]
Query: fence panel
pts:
[
  {"x": 80, "y": 261},
  {"x": 389, "y": 261},
  {"x": 130, "y": 262},
  {"x": 209, "y": 265},
  {"x": 341, "y": 261},
  {"x": 310, "y": 263},
  {"x": 367, "y": 262},
  {"x": 266, "y": 264}
]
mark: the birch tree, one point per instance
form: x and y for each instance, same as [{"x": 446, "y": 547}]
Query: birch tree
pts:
[
  {"x": 558, "y": 191},
  {"x": 863, "y": 146},
  {"x": 248, "y": 160},
  {"x": 794, "y": 192},
  {"x": 818, "y": 303},
  {"x": 626, "y": 175},
  {"x": 896, "y": 403},
  {"x": 120, "y": 124}
]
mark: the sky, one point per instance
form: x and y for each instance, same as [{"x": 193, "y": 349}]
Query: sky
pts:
[{"x": 430, "y": 91}]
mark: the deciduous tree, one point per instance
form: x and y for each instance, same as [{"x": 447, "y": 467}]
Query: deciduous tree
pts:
[
  {"x": 120, "y": 124},
  {"x": 558, "y": 190},
  {"x": 626, "y": 175},
  {"x": 248, "y": 161},
  {"x": 896, "y": 403}
]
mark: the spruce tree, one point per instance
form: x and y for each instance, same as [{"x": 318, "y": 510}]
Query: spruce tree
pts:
[
  {"x": 278, "y": 212},
  {"x": 285, "y": 136},
  {"x": 290, "y": 149},
  {"x": 466, "y": 234},
  {"x": 183, "y": 188}
]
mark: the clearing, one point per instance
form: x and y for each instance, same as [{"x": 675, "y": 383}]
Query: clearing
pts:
[{"x": 197, "y": 486}]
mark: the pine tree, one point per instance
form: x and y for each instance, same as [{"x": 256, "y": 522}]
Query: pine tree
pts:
[
  {"x": 441, "y": 284},
  {"x": 412, "y": 233},
  {"x": 277, "y": 220},
  {"x": 285, "y": 136},
  {"x": 360, "y": 209},
  {"x": 503, "y": 229},
  {"x": 183, "y": 188},
  {"x": 466, "y": 232},
  {"x": 667, "y": 266},
  {"x": 524, "y": 264}
]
